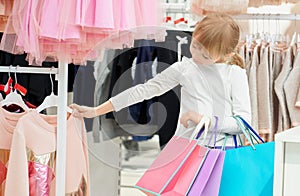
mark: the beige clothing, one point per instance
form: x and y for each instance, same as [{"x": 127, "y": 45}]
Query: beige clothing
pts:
[
  {"x": 298, "y": 99},
  {"x": 203, "y": 7},
  {"x": 251, "y": 71},
  {"x": 291, "y": 87},
  {"x": 263, "y": 93},
  {"x": 283, "y": 119},
  {"x": 274, "y": 70}
]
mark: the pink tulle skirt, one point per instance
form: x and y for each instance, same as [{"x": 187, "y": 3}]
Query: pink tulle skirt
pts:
[{"x": 72, "y": 29}]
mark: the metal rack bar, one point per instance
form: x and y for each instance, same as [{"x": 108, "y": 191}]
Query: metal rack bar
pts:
[
  {"x": 35, "y": 70},
  {"x": 62, "y": 72},
  {"x": 183, "y": 8},
  {"x": 266, "y": 16}
]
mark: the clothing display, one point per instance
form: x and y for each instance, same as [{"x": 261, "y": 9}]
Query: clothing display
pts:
[
  {"x": 33, "y": 158},
  {"x": 156, "y": 57},
  {"x": 8, "y": 122},
  {"x": 140, "y": 58},
  {"x": 204, "y": 7},
  {"x": 268, "y": 69},
  {"x": 234, "y": 7},
  {"x": 83, "y": 95},
  {"x": 291, "y": 87},
  {"x": 283, "y": 120},
  {"x": 251, "y": 69},
  {"x": 77, "y": 27},
  {"x": 264, "y": 119}
]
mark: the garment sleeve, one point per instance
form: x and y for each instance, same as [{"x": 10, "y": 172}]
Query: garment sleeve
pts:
[
  {"x": 17, "y": 175},
  {"x": 298, "y": 99},
  {"x": 240, "y": 100},
  {"x": 156, "y": 86}
]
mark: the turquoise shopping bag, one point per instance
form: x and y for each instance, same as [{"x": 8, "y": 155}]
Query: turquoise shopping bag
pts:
[{"x": 248, "y": 171}]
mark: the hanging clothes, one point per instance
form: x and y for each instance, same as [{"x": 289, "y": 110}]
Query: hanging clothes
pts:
[
  {"x": 274, "y": 70},
  {"x": 251, "y": 69},
  {"x": 291, "y": 87},
  {"x": 283, "y": 118},
  {"x": 204, "y": 7},
  {"x": 142, "y": 113},
  {"x": 298, "y": 99},
  {"x": 168, "y": 114},
  {"x": 72, "y": 29},
  {"x": 33, "y": 155},
  {"x": 84, "y": 87},
  {"x": 8, "y": 123},
  {"x": 263, "y": 93}
]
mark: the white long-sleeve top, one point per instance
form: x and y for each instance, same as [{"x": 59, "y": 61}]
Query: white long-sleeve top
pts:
[{"x": 216, "y": 90}]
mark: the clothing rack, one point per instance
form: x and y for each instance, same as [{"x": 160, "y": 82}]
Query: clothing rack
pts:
[
  {"x": 184, "y": 8},
  {"x": 62, "y": 75}
]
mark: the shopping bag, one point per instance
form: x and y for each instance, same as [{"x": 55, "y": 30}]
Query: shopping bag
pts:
[
  {"x": 248, "y": 170},
  {"x": 179, "y": 154},
  {"x": 181, "y": 182},
  {"x": 208, "y": 178},
  {"x": 191, "y": 180}
]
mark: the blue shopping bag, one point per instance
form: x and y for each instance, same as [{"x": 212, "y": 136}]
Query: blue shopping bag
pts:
[{"x": 248, "y": 171}]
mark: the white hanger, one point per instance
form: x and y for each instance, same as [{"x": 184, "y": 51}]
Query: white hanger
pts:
[
  {"x": 14, "y": 98},
  {"x": 51, "y": 101},
  {"x": 294, "y": 37}
]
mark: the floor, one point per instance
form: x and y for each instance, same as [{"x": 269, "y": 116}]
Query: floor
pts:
[
  {"x": 105, "y": 166},
  {"x": 134, "y": 168}
]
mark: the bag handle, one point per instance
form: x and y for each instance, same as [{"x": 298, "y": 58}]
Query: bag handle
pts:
[
  {"x": 204, "y": 122},
  {"x": 250, "y": 128},
  {"x": 244, "y": 131},
  {"x": 214, "y": 132}
]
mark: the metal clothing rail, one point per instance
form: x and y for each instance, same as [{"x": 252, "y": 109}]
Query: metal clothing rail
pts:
[
  {"x": 62, "y": 75},
  {"x": 35, "y": 70},
  {"x": 185, "y": 9},
  {"x": 266, "y": 16}
]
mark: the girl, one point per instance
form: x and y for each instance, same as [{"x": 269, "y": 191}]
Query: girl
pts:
[{"x": 214, "y": 83}]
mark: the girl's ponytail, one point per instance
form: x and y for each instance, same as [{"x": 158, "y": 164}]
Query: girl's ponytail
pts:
[{"x": 236, "y": 59}]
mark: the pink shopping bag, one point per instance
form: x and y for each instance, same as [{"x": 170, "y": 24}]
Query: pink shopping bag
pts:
[
  {"x": 208, "y": 180},
  {"x": 185, "y": 177},
  {"x": 163, "y": 174}
]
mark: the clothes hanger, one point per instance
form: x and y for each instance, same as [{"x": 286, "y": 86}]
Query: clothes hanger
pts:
[
  {"x": 294, "y": 37},
  {"x": 14, "y": 98},
  {"x": 51, "y": 100}
]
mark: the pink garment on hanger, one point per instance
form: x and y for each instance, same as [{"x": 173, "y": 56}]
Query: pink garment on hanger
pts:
[
  {"x": 62, "y": 25},
  {"x": 34, "y": 142},
  {"x": 6, "y": 6},
  {"x": 97, "y": 14},
  {"x": 8, "y": 122},
  {"x": 40, "y": 179},
  {"x": 72, "y": 29}
]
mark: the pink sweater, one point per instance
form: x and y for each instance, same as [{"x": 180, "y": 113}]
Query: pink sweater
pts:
[
  {"x": 8, "y": 122},
  {"x": 33, "y": 152}
]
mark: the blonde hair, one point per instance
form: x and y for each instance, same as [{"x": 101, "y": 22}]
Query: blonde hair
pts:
[{"x": 219, "y": 34}]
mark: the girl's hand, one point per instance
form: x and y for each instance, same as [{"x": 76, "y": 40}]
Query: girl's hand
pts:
[
  {"x": 190, "y": 116},
  {"x": 84, "y": 111}
]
